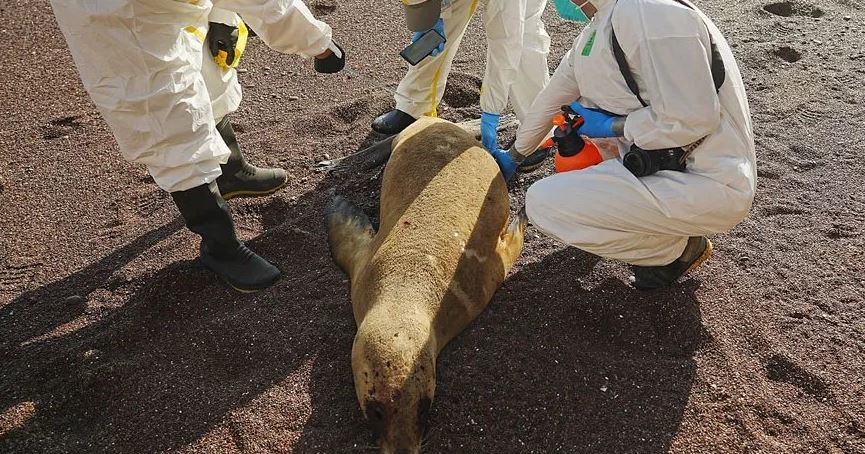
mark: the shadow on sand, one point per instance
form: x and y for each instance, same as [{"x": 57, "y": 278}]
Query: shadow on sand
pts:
[{"x": 187, "y": 361}]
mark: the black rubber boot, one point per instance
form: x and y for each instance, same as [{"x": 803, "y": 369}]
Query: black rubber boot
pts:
[
  {"x": 697, "y": 251},
  {"x": 206, "y": 214},
  {"x": 534, "y": 160},
  {"x": 240, "y": 178},
  {"x": 392, "y": 122},
  {"x": 333, "y": 63}
]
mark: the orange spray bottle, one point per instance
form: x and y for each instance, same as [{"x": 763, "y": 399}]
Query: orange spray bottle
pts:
[{"x": 573, "y": 152}]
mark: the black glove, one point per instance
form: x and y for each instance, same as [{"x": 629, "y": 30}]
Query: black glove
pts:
[
  {"x": 334, "y": 62},
  {"x": 221, "y": 37}
]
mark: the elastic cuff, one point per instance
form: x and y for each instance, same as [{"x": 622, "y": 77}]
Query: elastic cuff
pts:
[{"x": 618, "y": 127}]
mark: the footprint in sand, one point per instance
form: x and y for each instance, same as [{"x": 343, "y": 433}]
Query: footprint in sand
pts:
[
  {"x": 322, "y": 7},
  {"x": 61, "y": 127},
  {"x": 16, "y": 276},
  {"x": 787, "y": 9},
  {"x": 788, "y": 54},
  {"x": 781, "y": 369}
]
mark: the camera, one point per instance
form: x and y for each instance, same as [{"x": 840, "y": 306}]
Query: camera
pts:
[{"x": 642, "y": 163}]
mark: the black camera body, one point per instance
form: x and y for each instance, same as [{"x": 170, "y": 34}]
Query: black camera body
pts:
[{"x": 642, "y": 163}]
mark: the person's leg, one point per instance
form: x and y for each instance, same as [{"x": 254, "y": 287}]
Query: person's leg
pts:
[
  {"x": 143, "y": 72},
  {"x": 607, "y": 211},
  {"x": 423, "y": 86},
  {"x": 239, "y": 178},
  {"x": 534, "y": 69},
  {"x": 144, "y": 75},
  {"x": 534, "y": 74}
]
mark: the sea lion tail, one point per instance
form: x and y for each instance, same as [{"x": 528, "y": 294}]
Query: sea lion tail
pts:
[
  {"x": 511, "y": 242},
  {"x": 349, "y": 233}
]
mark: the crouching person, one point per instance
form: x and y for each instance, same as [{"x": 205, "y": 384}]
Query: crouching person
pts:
[{"x": 658, "y": 77}]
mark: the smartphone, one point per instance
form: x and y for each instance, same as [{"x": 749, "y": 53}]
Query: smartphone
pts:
[{"x": 421, "y": 48}]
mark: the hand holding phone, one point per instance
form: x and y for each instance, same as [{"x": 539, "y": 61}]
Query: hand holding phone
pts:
[{"x": 423, "y": 47}]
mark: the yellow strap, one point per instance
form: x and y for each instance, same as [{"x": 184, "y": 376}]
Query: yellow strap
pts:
[
  {"x": 242, "y": 37},
  {"x": 195, "y": 31},
  {"x": 433, "y": 112}
]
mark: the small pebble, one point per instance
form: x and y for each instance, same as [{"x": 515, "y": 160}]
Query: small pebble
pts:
[
  {"x": 267, "y": 68},
  {"x": 293, "y": 98},
  {"x": 242, "y": 70},
  {"x": 847, "y": 17},
  {"x": 73, "y": 299}
]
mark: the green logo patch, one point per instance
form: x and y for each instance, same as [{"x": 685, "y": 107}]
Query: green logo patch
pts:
[{"x": 587, "y": 49}]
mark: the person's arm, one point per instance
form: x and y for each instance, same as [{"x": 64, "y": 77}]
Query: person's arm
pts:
[
  {"x": 223, "y": 16},
  {"x": 286, "y": 26},
  {"x": 503, "y": 21},
  {"x": 562, "y": 90},
  {"x": 677, "y": 82}
]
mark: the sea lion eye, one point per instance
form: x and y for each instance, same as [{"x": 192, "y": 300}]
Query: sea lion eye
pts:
[{"x": 423, "y": 412}]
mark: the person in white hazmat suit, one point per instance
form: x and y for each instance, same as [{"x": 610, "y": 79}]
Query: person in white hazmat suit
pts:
[
  {"x": 151, "y": 68},
  {"x": 516, "y": 63},
  {"x": 683, "y": 97}
]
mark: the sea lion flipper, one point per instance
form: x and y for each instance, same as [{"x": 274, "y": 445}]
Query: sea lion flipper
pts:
[
  {"x": 511, "y": 241},
  {"x": 349, "y": 233}
]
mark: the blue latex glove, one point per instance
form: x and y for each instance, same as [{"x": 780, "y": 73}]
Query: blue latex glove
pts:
[
  {"x": 439, "y": 27},
  {"x": 489, "y": 130},
  {"x": 506, "y": 163},
  {"x": 597, "y": 124}
]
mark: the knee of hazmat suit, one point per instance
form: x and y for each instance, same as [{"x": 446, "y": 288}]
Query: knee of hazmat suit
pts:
[{"x": 667, "y": 45}]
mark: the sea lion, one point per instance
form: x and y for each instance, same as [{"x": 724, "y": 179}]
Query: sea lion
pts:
[{"x": 442, "y": 249}]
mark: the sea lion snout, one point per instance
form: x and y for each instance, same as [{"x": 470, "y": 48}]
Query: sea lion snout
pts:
[
  {"x": 394, "y": 374},
  {"x": 395, "y": 428},
  {"x": 395, "y": 435}
]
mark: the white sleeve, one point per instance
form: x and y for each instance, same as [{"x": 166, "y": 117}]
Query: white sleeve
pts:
[
  {"x": 562, "y": 89},
  {"x": 223, "y": 16},
  {"x": 286, "y": 26},
  {"x": 504, "y": 24},
  {"x": 683, "y": 105}
]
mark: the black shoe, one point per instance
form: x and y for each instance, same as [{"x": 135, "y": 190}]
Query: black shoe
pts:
[
  {"x": 392, "y": 122},
  {"x": 333, "y": 63},
  {"x": 240, "y": 178},
  {"x": 206, "y": 214},
  {"x": 698, "y": 250},
  {"x": 534, "y": 160}
]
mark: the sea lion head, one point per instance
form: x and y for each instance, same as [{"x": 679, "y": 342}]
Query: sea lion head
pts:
[{"x": 394, "y": 376}]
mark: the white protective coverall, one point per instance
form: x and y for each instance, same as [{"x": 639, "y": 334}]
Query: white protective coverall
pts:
[
  {"x": 606, "y": 210},
  {"x": 146, "y": 67},
  {"x": 516, "y": 66}
]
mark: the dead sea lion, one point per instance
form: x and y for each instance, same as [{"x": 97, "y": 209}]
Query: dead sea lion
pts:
[{"x": 442, "y": 249}]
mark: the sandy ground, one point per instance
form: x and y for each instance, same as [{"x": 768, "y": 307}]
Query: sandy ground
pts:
[{"x": 112, "y": 339}]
